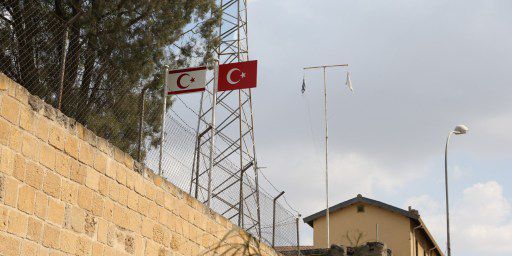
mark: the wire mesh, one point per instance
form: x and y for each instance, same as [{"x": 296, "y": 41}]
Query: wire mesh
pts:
[{"x": 53, "y": 59}]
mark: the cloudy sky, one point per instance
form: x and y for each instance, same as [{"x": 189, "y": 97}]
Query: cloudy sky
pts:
[{"x": 419, "y": 67}]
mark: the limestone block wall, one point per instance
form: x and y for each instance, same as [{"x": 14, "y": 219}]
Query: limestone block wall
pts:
[{"x": 65, "y": 191}]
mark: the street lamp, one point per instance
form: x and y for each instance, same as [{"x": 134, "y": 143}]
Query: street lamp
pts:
[{"x": 459, "y": 130}]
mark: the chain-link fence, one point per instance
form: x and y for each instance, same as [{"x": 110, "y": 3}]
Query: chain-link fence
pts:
[{"x": 46, "y": 50}]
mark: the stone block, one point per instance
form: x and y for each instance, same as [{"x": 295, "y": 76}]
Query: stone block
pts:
[
  {"x": 135, "y": 221},
  {"x": 35, "y": 229},
  {"x": 100, "y": 161},
  {"x": 85, "y": 154},
  {"x": 121, "y": 174},
  {"x": 52, "y": 184},
  {"x": 103, "y": 185},
  {"x": 62, "y": 164},
  {"x": 69, "y": 192},
  {"x": 10, "y": 110},
  {"x": 68, "y": 241},
  {"x": 26, "y": 199},
  {"x": 30, "y": 146},
  {"x": 90, "y": 224},
  {"x": 57, "y": 137},
  {"x": 108, "y": 210},
  {"x": 34, "y": 175},
  {"x": 75, "y": 219},
  {"x": 143, "y": 206},
  {"x": 150, "y": 191},
  {"x": 9, "y": 246},
  {"x": 83, "y": 247},
  {"x": 29, "y": 248},
  {"x": 97, "y": 249},
  {"x": 102, "y": 231},
  {"x": 4, "y": 218},
  {"x": 17, "y": 223},
  {"x": 85, "y": 197},
  {"x": 92, "y": 179},
  {"x": 26, "y": 120},
  {"x": 97, "y": 204},
  {"x": 43, "y": 127},
  {"x": 153, "y": 210},
  {"x": 47, "y": 156},
  {"x": 123, "y": 195},
  {"x": 113, "y": 189},
  {"x": 20, "y": 167},
  {"x": 7, "y": 160},
  {"x": 133, "y": 200},
  {"x": 5, "y": 131},
  {"x": 56, "y": 212},
  {"x": 140, "y": 186},
  {"x": 71, "y": 145},
  {"x": 16, "y": 140},
  {"x": 22, "y": 95},
  {"x": 147, "y": 228},
  {"x": 10, "y": 196},
  {"x": 41, "y": 204},
  {"x": 78, "y": 172},
  {"x": 51, "y": 236}
]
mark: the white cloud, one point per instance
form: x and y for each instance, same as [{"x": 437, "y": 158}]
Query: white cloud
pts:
[{"x": 481, "y": 220}]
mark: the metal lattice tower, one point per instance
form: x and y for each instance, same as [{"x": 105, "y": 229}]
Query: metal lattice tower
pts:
[{"x": 235, "y": 190}]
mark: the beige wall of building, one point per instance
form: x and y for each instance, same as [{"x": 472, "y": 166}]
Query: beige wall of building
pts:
[
  {"x": 65, "y": 191},
  {"x": 394, "y": 229},
  {"x": 399, "y": 232}
]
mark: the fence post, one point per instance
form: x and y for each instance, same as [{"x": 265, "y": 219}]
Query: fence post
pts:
[
  {"x": 298, "y": 241},
  {"x": 274, "y": 219},
  {"x": 64, "y": 55},
  {"x": 141, "y": 121},
  {"x": 162, "y": 132},
  {"x": 63, "y": 65}
]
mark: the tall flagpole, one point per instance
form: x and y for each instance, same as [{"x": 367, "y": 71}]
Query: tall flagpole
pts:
[
  {"x": 326, "y": 147},
  {"x": 326, "y": 163},
  {"x": 164, "y": 109}
]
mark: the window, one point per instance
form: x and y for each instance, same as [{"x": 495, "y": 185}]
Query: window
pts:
[{"x": 360, "y": 208}]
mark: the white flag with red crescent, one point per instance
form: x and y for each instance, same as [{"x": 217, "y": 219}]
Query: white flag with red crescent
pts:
[{"x": 186, "y": 80}]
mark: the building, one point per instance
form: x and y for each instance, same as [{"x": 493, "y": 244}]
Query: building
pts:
[{"x": 360, "y": 220}]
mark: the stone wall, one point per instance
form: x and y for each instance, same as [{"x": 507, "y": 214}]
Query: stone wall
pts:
[{"x": 65, "y": 191}]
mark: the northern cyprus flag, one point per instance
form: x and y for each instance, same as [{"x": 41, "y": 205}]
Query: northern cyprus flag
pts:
[{"x": 186, "y": 80}]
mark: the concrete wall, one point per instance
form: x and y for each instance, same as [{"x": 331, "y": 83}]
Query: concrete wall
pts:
[
  {"x": 394, "y": 229},
  {"x": 65, "y": 191}
]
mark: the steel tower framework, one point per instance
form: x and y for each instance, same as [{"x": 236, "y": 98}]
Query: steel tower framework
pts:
[{"x": 234, "y": 176}]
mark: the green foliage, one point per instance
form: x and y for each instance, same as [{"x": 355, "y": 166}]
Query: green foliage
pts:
[{"x": 116, "y": 49}]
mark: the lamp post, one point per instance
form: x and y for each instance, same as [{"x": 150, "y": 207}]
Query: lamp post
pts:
[
  {"x": 459, "y": 130},
  {"x": 349, "y": 84}
]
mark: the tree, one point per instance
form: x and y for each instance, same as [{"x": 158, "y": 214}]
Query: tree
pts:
[{"x": 114, "y": 50}]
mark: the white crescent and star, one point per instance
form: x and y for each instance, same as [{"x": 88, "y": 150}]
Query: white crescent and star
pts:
[
  {"x": 178, "y": 81},
  {"x": 230, "y": 80}
]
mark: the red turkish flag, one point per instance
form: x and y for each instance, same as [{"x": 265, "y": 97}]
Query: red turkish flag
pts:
[{"x": 236, "y": 76}]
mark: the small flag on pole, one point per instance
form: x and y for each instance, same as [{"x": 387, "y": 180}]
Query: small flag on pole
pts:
[
  {"x": 303, "y": 85},
  {"x": 348, "y": 83}
]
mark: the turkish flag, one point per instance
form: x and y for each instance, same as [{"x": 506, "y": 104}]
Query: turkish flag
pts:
[{"x": 236, "y": 76}]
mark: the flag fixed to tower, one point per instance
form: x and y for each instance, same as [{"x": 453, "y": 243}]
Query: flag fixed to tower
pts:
[
  {"x": 236, "y": 76},
  {"x": 186, "y": 80}
]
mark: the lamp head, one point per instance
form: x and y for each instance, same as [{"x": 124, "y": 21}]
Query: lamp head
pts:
[{"x": 460, "y": 129}]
